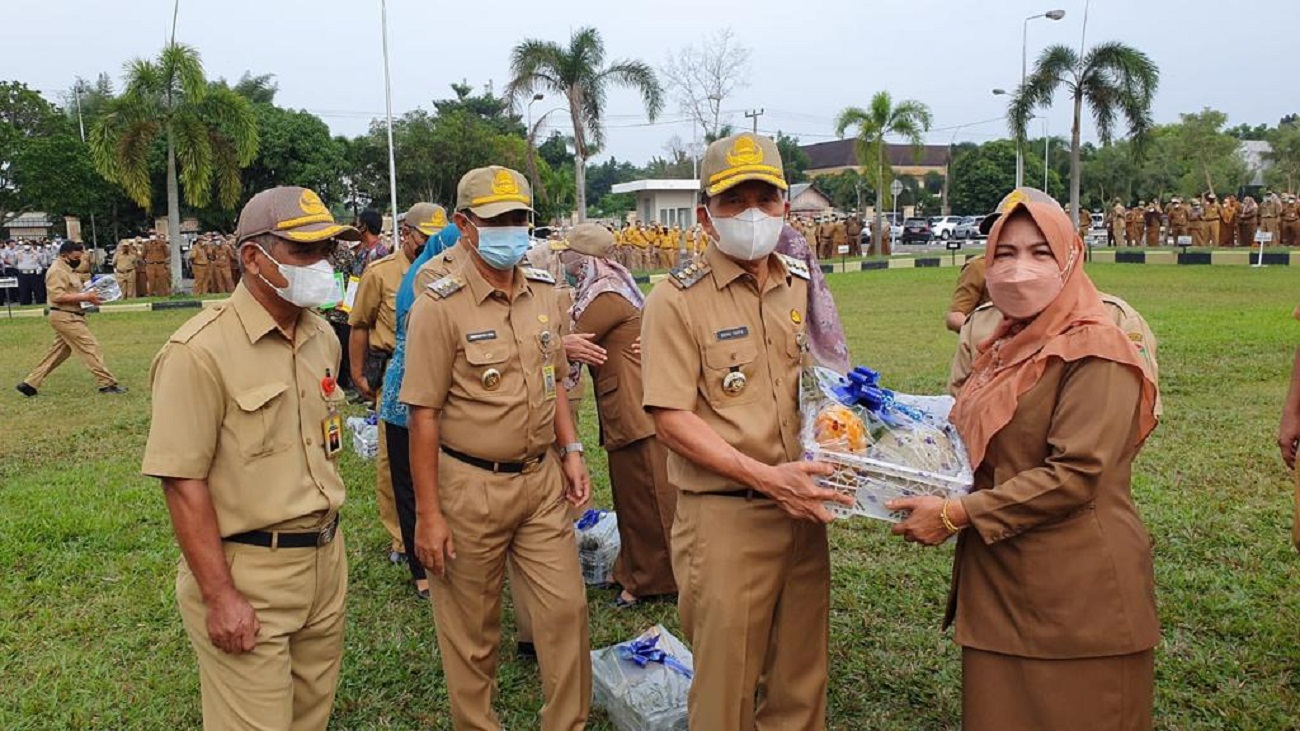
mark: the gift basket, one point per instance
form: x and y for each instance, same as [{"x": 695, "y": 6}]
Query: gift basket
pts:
[
  {"x": 106, "y": 285},
  {"x": 642, "y": 685},
  {"x": 598, "y": 546},
  {"x": 883, "y": 445},
  {"x": 365, "y": 435}
]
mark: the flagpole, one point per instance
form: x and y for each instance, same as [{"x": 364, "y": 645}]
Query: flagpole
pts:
[{"x": 388, "y": 110}]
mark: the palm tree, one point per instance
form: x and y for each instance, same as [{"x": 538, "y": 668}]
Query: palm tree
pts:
[
  {"x": 578, "y": 74},
  {"x": 209, "y": 130},
  {"x": 909, "y": 119},
  {"x": 1115, "y": 79}
]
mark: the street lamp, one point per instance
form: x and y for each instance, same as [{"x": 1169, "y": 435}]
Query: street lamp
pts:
[
  {"x": 1024, "y": 73},
  {"x": 528, "y": 137}
]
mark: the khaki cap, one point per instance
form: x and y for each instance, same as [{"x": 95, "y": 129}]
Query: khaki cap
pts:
[
  {"x": 293, "y": 214},
  {"x": 1015, "y": 197},
  {"x": 427, "y": 218},
  {"x": 732, "y": 160},
  {"x": 488, "y": 192},
  {"x": 591, "y": 239}
]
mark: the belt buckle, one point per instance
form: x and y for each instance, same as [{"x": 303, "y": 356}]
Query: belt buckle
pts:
[
  {"x": 532, "y": 465},
  {"x": 327, "y": 532}
]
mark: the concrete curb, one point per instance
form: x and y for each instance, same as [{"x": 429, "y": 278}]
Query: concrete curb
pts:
[{"x": 124, "y": 307}]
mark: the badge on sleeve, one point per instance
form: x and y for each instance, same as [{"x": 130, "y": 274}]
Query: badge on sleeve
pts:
[
  {"x": 548, "y": 382},
  {"x": 332, "y": 434}
]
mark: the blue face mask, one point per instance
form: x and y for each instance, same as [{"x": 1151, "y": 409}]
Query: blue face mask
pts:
[{"x": 502, "y": 246}]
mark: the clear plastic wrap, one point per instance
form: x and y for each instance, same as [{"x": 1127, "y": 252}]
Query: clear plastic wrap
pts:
[
  {"x": 884, "y": 445},
  {"x": 365, "y": 435},
  {"x": 106, "y": 285},
  {"x": 643, "y": 684},
  {"x": 598, "y": 546}
]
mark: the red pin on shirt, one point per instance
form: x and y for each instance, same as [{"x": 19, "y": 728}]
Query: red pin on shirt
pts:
[{"x": 328, "y": 384}]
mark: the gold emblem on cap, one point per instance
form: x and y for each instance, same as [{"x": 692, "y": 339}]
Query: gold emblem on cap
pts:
[
  {"x": 734, "y": 383},
  {"x": 1016, "y": 196},
  {"x": 311, "y": 204},
  {"x": 504, "y": 183},
  {"x": 745, "y": 151},
  {"x": 439, "y": 219},
  {"x": 795, "y": 317},
  {"x": 491, "y": 379}
]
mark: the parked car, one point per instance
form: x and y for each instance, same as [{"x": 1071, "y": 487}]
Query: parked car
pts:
[
  {"x": 943, "y": 226},
  {"x": 916, "y": 231},
  {"x": 968, "y": 229}
]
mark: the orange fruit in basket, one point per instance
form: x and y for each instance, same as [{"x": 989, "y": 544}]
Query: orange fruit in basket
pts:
[{"x": 838, "y": 428}]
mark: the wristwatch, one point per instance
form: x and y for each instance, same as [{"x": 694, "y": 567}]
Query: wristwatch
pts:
[{"x": 570, "y": 448}]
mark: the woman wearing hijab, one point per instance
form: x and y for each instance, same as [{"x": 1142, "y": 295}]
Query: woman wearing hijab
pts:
[
  {"x": 607, "y": 305},
  {"x": 826, "y": 340},
  {"x": 1052, "y": 589}
]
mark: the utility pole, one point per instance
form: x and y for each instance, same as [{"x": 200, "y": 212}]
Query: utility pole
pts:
[
  {"x": 754, "y": 114},
  {"x": 76, "y": 90}
]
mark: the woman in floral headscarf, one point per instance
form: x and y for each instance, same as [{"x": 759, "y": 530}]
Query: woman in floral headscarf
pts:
[{"x": 1053, "y": 592}]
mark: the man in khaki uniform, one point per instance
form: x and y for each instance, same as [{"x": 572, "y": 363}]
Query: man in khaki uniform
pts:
[
  {"x": 1290, "y": 221},
  {"x": 223, "y": 258},
  {"x": 157, "y": 256},
  {"x": 1270, "y": 211},
  {"x": 244, "y": 397},
  {"x": 853, "y": 227},
  {"x": 487, "y": 416},
  {"x": 1178, "y": 216},
  {"x": 969, "y": 294},
  {"x": 124, "y": 264},
  {"x": 1085, "y": 223},
  {"x": 201, "y": 263},
  {"x": 723, "y": 342},
  {"x": 1213, "y": 217},
  {"x": 1118, "y": 229},
  {"x": 1288, "y": 437},
  {"x": 373, "y": 327},
  {"x": 825, "y": 232},
  {"x": 64, "y": 295}
]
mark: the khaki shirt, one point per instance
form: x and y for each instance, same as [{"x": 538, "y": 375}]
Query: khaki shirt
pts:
[
  {"x": 238, "y": 404},
  {"x": 199, "y": 255},
  {"x": 61, "y": 280},
  {"x": 694, "y": 335},
  {"x": 464, "y": 335},
  {"x": 125, "y": 262},
  {"x": 376, "y": 302},
  {"x": 616, "y": 324},
  {"x": 1213, "y": 212},
  {"x": 985, "y": 319},
  {"x": 440, "y": 266},
  {"x": 970, "y": 292}
]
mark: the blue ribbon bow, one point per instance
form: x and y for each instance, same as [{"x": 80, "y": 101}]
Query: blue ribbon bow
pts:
[
  {"x": 590, "y": 518},
  {"x": 864, "y": 389},
  {"x": 644, "y": 651}
]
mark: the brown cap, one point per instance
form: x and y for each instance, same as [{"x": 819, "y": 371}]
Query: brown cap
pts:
[
  {"x": 591, "y": 239},
  {"x": 488, "y": 192},
  {"x": 1019, "y": 195},
  {"x": 427, "y": 218},
  {"x": 293, "y": 214},
  {"x": 732, "y": 160}
]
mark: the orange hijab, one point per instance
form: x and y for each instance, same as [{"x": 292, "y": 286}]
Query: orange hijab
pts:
[{"x": 1073, "y": 327}]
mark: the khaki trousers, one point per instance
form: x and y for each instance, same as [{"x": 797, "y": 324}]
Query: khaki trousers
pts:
[
  {"x": 1271, "y": 225},
  {"x": 71, "y": 336},
  {"x": 496, "y": 519},
  {"x": 384, "y": 491},
  {"x": 159, "y": 280},
  {"x": 1290, "y": 233},
  {"x": 1295, "y": 521},
  {"x": 1008, "y": 693},
  {"x": 755, "y": 605},
  {"x": 1175, "y": 232},
  {"x": 1246, "y": 233},
  {"x": 289, "y": 679},
  {"x": 202, "y": 279},
  {"x": 126, "y": 280},
  {"x": 1213, "y": 233},
  {"x": 645, "y": 503},
  {"x": 222, "y": 282}
]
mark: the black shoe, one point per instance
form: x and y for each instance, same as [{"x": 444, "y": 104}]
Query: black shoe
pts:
[
  {"x": 113, "y": 389},
  {"x": 25, "y": 390},
  {"x": 396, "y": 558},
  {"x": 526, "y": 650}
]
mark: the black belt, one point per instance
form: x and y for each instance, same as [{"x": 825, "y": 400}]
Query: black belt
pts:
[
  {"x": 281, "y": 539},
  {"x": 747, "y": 494},
  {"x": 511, "y": 468}
]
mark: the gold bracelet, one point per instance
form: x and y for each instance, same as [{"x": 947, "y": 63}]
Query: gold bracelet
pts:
[{"x": 947, "y": 522}]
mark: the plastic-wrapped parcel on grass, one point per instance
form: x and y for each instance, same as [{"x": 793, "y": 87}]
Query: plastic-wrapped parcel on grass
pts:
[
  {"x": 365, "y": 435},
  {"x": 642, "y": 685},
  {"x": 883, "y": 445},
  {"x": 598, "y": 546}
]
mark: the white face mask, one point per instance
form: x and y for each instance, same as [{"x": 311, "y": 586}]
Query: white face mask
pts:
[
  {"x": 308, "y": 287},
  {"x": 749, "y": 236}
]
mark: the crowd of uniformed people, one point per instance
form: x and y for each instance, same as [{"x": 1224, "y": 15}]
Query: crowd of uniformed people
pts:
[{"x": 472, "y": 343}]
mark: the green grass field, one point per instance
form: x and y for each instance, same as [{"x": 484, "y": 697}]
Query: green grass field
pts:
[{"x": 90, "y": 637}]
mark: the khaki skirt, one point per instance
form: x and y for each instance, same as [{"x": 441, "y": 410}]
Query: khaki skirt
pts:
[{"x": 1008, "y": 693}]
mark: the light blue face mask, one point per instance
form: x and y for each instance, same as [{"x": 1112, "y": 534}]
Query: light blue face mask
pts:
[{"x": 502, "y": 246}]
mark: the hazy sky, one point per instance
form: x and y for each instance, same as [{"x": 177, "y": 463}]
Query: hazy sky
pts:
[{"x": 809, "y": 58}]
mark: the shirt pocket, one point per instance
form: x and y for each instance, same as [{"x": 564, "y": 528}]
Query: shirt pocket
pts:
[
  {"x": 258, "y": 421},
  {"x": 487, "y": 375},
  {"x": 731, "y": 363}
]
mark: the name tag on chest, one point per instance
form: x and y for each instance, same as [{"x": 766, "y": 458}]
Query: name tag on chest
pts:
[
  {"x": 733, "y": 333},
  {"x": 479, "y": 337}
]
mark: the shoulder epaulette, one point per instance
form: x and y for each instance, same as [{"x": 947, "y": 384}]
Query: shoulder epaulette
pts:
[
  {"x": 797, "y": 267},
  {"x": 985, "y": 306},
  {"x": 538, "y": 275},
  {"x": 195, "y": 325},
  {"x": 686, "y": 275},
  {"x": 446, "y": 287}
]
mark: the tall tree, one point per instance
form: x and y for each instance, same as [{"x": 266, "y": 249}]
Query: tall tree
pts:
[
  {"x": 209, "y": 131},
  {"x": 702, "y": 77},
  {"x": 1285, "y": 156},
  {"x": 1113, "y": 78},
  {"x": 579, "y": 74},
  {"x": 909, "y": 119},
  {"x": 793, "y": 158}
]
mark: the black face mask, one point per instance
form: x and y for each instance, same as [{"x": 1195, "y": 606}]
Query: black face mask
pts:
[
  {"x": 418, "y": 251},
  {"x": 74, "y": 263}
]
